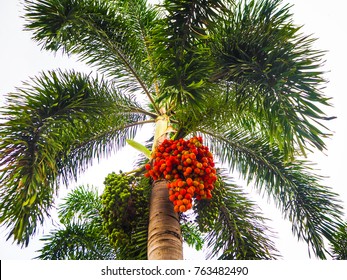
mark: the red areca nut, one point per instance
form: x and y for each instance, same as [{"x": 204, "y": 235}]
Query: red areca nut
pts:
[{"x": 188, "y": 166}]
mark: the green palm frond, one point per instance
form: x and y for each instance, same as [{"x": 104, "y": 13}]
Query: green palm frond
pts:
[
  {"x": 102, "y": 33},
  {"x": 82, "y": 204},
  {"x": 273, "y": 72},
  {"x": 137, "y": 247},
  {"x": 81, "y": 235},
  {"x": 46, "y": 127},
  {"x": 191, "y": 233},
  {"x": 339, "y": 244},
  {"x": 313, "y": 209},
  {"x": 234, "y": 226},
  {"x": 181, "y": 54},
  {"x": 76, "y": 242}
]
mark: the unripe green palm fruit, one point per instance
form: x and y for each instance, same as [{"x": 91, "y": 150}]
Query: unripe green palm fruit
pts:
[{"x": 125, "y": 206}]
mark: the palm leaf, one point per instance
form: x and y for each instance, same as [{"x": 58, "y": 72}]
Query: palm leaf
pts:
[
  {"x": 339, "y": 244},
  {"x": 313, "y": 209},
  {"x": 182, "y": 59},
  {"x": 268, "y": 63},
  {"x": 191, "y": 234},
  {"x": 52, "y": 129},
  {"x": 76, "y": 242},
  {"x": 108, "y": 34},
  {"x": 81, "y": 204},
  {"x": 235, "y": 228},
  {"x": 137, "y": 247},
  {"x": 81, "y": 235}
]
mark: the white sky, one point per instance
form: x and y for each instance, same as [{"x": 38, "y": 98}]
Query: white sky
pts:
[{"x": 21, "y": 58}]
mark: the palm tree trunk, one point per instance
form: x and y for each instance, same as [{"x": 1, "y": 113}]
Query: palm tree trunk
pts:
[{"x": 164, "y": 232}]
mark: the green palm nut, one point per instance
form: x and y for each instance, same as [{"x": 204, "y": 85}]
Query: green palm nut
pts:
[{"x": 125, "y": 206}]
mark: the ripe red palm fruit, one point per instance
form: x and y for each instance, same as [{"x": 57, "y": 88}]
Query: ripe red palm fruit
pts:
[
  {"x": 182, "y": 208},
  {"x": 189, "y": 181}
]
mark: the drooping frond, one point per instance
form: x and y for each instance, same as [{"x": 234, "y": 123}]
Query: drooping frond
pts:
[
  {"x": 81, "y": 235},
  {"x": 313, "y": 209},
  {"x": 76, "y": 242},
  {"x": 51, "y": 129},
  {"x": 273, "y": 72},
  {"x": 108, "y": 34},
  {"x": 83, "y": 204},
  {"x": 234, "y": 227}
]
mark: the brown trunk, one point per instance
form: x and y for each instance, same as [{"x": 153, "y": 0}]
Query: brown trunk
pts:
[{"x": 164, "y": 232}]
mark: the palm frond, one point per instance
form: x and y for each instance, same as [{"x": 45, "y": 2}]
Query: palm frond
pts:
[
  {"x": 76, "y": 242},
  {"x": 273, "y": 72},
  {"x": 181, "y": 53},
  {"x": 46, "y": 127},
  {"x": 235, "y": 228},
  {"x": 82, "y": 204},
  {"x": 101, "y": 33},
  {"x": 81, "y": 235},
  {"x": 313, "y": 209},
  {"x": 99, "y": 144},
  {"x": 137, "y": 246},
  {"x": 191, "y": 233},
  {"x": 339, "y": 245}
]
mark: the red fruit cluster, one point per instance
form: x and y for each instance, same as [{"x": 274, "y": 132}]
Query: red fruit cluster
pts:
[{"x": 189, "y": 168}]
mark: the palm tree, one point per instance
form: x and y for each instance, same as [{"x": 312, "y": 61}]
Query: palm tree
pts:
[{"x": 238, "y": 73}]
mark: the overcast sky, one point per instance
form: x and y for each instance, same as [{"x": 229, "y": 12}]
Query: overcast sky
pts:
[{"x": 21, "y": 58}]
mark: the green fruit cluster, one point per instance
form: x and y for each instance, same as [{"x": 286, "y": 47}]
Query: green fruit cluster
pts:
[{"x": 125, "y": 208}]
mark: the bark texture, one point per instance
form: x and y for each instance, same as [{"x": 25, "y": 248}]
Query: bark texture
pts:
[{"x": 164, "y": 232}]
